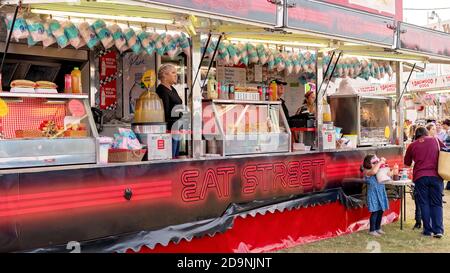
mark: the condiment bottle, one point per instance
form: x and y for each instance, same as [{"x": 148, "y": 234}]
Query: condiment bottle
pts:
[
  {"x": 273, "y": 91},
  {"x": 76, "y": 81},
  {"x": 67, "y": 83}
]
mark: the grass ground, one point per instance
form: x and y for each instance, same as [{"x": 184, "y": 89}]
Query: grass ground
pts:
[{"x": 395, "y": 240}]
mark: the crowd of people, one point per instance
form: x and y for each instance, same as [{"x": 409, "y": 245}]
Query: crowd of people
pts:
[{"x": 422, "y": 155}]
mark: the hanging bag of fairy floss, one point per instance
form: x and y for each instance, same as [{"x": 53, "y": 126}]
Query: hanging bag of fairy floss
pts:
[
  {"x": 222, "y": 52},
  {"x": 243, "y": 53},
  {"x": 184, "y": 44},
  {"x": 170, "y": 43},
  {"x": 174, "y": 47},
  {"x": 146, "y": 42},
  {"x": 296, "y": 64},
  {"x": 20, "y": 29},
  {"x": 119, "y": 38},
  {"x": 252, "y": 54},
  {"x": 132, "y": 40},
  {"x": 233, "y": 53},
  {"x": 288, "y": 64},
  {"x": 271, "y": 60},
  {"x": 50, "y": 38},
  {"x": 72, "y": 33},
  {"x": 103, "y": 34},
  {"x": 159, "y": 44},
  {"x": 261, "y": 50},
  {"x": 58, "y": 31},
  {"x": 210, "y": 48},
  {"x": 279, "y": 62},
  {"x": 88, "y": 35},
  {"x": 36, "y": 29}
]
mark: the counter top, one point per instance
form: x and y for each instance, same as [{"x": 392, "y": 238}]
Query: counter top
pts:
[{"x": 112, "y": 165}]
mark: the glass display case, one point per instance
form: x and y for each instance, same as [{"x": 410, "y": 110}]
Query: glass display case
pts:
[
  {"x": 367, "y": 117},
  {"x": 46, "y": 130},
  {"x": 233, "y": 127}
]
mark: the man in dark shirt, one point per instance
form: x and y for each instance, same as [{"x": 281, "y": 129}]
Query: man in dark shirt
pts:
[{"x": 280, "y": 91}]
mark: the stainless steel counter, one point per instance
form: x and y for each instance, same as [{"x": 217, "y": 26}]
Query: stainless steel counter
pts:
[{"x": 112, "y": 165}]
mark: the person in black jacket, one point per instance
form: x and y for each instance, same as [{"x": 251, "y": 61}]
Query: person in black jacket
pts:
[
  {"x": 168, "y": 76},
  {"x": 280, "y": 92}
]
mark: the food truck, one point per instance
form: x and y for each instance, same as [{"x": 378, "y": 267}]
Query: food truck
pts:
[{"x": 242, "y": 181}]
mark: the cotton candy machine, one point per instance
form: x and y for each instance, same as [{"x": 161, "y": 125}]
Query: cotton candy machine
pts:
[{"x": 150, "y": 127}]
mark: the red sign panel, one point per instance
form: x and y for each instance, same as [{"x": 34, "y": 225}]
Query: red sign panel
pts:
[
  {"x": 423, "y": 40},
  {"x": 253, "y": 10},
  {"x": 160, "y": 144},
  {"x": 108, "y": 71},
  {"x": 390, "y": 8},
  {"x": 337, "y": 21}
]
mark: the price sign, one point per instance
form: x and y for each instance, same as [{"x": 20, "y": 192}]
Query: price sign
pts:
[
  {"x": 149, "y": 78},
  {"x": 76, "y": 108}
]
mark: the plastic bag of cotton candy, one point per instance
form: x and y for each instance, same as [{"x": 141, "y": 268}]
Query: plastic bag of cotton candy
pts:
[
  {"x": 58, "y": 32},
  {"x": 160, "y": 44},
  {"x": 146, "y": 41},
  {"x": 271, "y": 60},
  {"x": 295, "y": 64},
  {"x": 103, "y": 34},
  {"x": 72, "y": 33},
  {"x": 252, "y": 54},
  {"x": 288, "y": 64},
  {"x": 20, "y": 29},
  {"x": 36, "y": 29},
  {"x": 242, "y": 48},
  {"x": 119, "y": 38},
  {"x": 209, "y": 48},
  {"x": 222, "y": 52},
  {"x": 184, "y": 44},
  {"x": 388, "y": 69},
  {"x": 132, "y": 40},
  {"x": 279, "y": 64},
  {"x": 171, "y": 45},
  {"x": 50, "y": 38},
  {"x": 233, "y": 53},
  {"x": 88, "y": 34},
  {"x": 261, "y": 50}
]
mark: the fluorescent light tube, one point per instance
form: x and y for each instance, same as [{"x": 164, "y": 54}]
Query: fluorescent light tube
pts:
[{"x": 103, "y": 16}]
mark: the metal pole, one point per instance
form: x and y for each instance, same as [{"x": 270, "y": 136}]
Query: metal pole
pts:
[
  {"x": 326, "y": 71},
  {"x": 212, "y": 60},
  {"x": 406, "y": 83},
  {"x": 319, "y": 117},
  {"x": 400, "y": 115},
  {"x": 9, "y": 35},
  {"x": 196, "y": 100},
  {"x": 201, "y": 59}
]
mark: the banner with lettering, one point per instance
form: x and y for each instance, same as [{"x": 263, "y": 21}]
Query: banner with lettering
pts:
[
  {"x": 429, "y": 84},
  {"x": 423, "y": 40},
  {"x": 390, "y": 8},
  {"x": 108, "y": 76},
  {"x": 262, "y": 11},
  {"x": 386, "y": 88},
  {"x": 340, "y": 22}
]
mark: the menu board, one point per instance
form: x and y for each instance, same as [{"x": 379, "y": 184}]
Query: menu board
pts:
[{"x": 231, "y": 74}]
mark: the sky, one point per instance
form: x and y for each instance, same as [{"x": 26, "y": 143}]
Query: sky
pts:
[{"x": 420, "y": 17}]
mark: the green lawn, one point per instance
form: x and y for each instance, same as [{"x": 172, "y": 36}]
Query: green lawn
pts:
[{"x": 395, "y": 240}]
